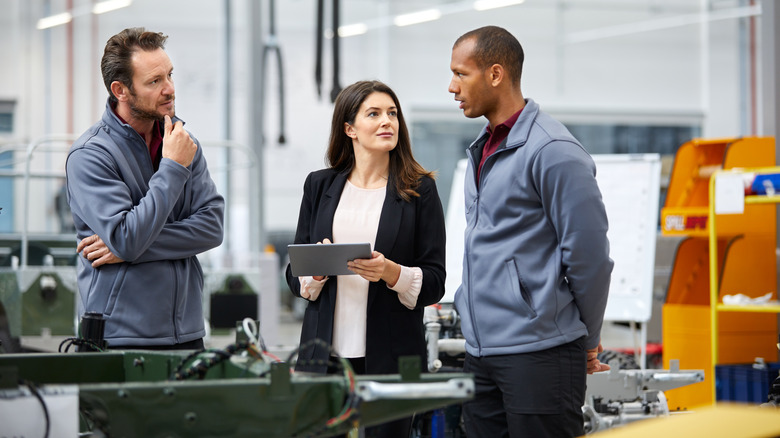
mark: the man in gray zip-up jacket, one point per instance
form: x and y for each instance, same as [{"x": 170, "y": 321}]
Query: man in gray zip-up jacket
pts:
[
  {"x": 143, "y": 204},
  {"x": 536, "y": 266}
]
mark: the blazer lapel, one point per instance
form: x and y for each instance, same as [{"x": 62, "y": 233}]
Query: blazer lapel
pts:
[
  {"x": 389, "y": 224},
  {"x": 323, "y": 228}
]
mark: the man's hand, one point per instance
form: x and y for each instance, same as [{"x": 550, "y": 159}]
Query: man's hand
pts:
[
  {"x": 177, "y": 143},
  {"x": 93, "y": 248},
  {"x": 594, "y": 365}
]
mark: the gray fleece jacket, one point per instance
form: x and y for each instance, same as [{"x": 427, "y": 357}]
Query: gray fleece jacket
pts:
[
  {"x": 157, "y": 221},
  {"x": 536, "y": 266}
]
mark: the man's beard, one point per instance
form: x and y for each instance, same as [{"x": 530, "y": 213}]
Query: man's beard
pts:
[{"x": 146, "y": 114}]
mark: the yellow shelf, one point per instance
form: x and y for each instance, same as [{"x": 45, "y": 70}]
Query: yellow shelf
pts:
[
  {"x": 715, "y": 305},
  {"x": 768, "y": 308},
  {"x": 762, "y": 199}
]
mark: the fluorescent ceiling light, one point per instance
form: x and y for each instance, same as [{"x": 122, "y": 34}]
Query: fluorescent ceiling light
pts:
[
  {"x": 352, "y": 30},
  {"x": 417, "y": 17},
  {"x": 54, "y": 20},
  {"x": 110, "y": 5},
  {"x": 483, "y": 5}
]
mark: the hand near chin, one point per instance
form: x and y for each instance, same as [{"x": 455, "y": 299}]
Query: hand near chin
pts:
[{"x": 177, "y": 143}]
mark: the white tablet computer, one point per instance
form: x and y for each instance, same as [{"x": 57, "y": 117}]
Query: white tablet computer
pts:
[{"x": 325, "y": 259}]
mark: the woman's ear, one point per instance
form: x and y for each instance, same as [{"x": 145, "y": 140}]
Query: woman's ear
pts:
[{"x": 349, "y": 130}]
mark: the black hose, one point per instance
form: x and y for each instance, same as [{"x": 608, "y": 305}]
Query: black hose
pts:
[
  {"x": 318, "y": 43},
  {"x": 336, "y": 86}
]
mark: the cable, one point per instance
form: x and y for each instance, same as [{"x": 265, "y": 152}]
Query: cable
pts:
[
  {"x": 37, "y": 394},
  {"x": 200, "y": 365},
  {"x": 79, "y": 342},
  {"x": 253, "y": 333},
  {"x": 349, "y": 411}
]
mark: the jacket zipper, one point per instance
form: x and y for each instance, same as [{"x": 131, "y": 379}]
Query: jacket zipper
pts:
[
  {"x": 470, "y": 238},
  {"x": 467, "y": 244},
  {"x": 175, "y": 305}
]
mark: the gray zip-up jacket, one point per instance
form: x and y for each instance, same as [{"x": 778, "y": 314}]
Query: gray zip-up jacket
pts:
[
  {"x": 157, "y": 221},
  {"x": 536, "y": 266}
]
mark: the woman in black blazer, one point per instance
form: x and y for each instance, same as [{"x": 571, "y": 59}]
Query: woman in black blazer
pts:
[{"x": 373, "y": 191}]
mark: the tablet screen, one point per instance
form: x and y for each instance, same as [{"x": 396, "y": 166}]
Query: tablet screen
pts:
[{"x": 325, "y": 259}]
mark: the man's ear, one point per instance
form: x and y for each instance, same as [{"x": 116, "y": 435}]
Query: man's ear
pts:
[
  {"x": 350, "y": 130},
  {"x": 120, "y": 91},
  {"x": 497, "y": 74}
]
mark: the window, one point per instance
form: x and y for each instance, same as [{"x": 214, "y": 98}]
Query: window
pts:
[{"x": 6, "y": 163}]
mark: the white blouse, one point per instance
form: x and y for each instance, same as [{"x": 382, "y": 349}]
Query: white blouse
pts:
[{"x": 357, "y": 220}]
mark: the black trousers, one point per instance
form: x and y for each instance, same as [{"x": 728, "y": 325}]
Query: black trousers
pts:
[
  {"x": 537, "y": 394},
  {"x": 392, "y": 429}
]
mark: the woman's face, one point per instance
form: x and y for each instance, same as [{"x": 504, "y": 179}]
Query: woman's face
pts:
[{"x": 375, "y": 129}]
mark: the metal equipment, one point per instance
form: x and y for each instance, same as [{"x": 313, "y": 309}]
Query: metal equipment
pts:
[
  {"x": 613, "y": 398},
  {"x": 619, "y": 397},
  {"x": 234, "y": 392}
]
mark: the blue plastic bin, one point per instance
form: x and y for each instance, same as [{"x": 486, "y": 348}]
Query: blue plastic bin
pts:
[{"x": 744, "y": 383}]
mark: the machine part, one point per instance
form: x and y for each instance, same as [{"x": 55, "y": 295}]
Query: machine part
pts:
[
  {"x": 271, "y": 46},
  {"x": 92, "y": 328},
  {"x": 320, "y": 33},
  {"x": 601, "y": 416},
  {"x": 616, "y": 397},
  {"x": 629, "y": 385},
  {"x": 336, "y": 47},
  {"x": 48, "y": 287},
  {"x": 130, "y": 393},
  {"x": 230, "y": 295},
  {"x": 446, "y": 346},
  {"x": 619, "y": 397},
  {"x": 48, "y": 296},
  {"x": 432, "y": 330},
  {"x": 370, "y": 391},
  {"x": 336, "y": 44}
]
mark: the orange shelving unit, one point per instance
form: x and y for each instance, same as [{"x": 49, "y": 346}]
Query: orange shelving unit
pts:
[{"x": 736, "y": 256}]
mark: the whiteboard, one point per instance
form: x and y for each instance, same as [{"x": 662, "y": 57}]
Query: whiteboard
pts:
[{"x": 629, "y": 186}]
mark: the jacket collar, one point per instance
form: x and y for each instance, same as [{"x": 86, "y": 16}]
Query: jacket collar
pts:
[
  {"x": 518, "y": 135},
  {"x": 113, "y": 123}
]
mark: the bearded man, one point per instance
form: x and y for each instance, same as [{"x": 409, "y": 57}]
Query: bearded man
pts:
[{"x": 143, "y": 204}]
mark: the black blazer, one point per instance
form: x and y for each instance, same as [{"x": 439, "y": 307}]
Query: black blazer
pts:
[{"x": 411, "y": 234}]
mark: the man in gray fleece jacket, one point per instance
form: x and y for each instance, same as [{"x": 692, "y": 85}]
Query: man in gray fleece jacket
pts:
[
  {"x": 536, "y": 266},
  {"x": 143, "y": 203}
]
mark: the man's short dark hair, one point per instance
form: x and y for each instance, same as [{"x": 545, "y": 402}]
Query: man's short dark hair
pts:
[
  {"x": 116, "y": 65},
  {"x": 495, "y": 45}
]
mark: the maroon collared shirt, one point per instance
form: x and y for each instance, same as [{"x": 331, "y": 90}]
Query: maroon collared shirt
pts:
[
  {"x": 497, "y": 136},
  {"x": 155, "y": 146}
]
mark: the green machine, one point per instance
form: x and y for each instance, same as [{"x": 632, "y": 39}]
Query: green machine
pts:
[
  {"x": 236, "y": 392},
  {"x": 36, "y": 301}
]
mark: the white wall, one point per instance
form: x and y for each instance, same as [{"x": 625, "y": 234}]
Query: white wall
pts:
[{"x": 655, "y": 72}]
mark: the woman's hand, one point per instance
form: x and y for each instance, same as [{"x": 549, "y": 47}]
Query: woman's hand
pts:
[
  {"x": 376, "y": 268},
  {"x": 321, "y": 277}
]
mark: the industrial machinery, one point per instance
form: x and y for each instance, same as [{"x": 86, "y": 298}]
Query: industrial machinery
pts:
[
  {"x": 240, "y": 391},
  {"x": 619, "y": 396},
  {"x": 613, "y": 398}
]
